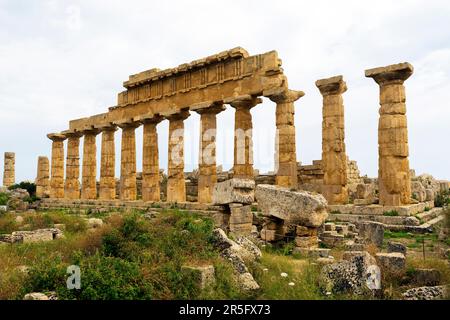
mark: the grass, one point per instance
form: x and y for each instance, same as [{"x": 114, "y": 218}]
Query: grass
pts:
[{"x": 392, "y": 213}]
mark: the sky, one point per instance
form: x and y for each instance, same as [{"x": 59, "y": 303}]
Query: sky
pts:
[{"x": 63, "y": 60}]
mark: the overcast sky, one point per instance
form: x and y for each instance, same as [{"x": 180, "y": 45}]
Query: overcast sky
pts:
[{"x": 62, "y": 60}]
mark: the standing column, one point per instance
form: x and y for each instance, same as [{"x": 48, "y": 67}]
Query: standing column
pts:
[
  {"x": 176, "y": 187},
  {"x": 393, "y": 166},
  {"x": 128, "y": 161},
  {"x": 334, "y": 159},
  {"x": 150, "y": 160},
  {"x": 57, "y": 175},
  {"x": 207, "y": 154},
  {"x": 285, "y": 157},
  {"x": 43, "y": 178},
  {"x": 243, "y": 144},
  {"x": 89, "y": 174},
  {"x": 72, "y": 183},
  {"x": 9, "y": 176},
  {"x": 108, "y": 164}
]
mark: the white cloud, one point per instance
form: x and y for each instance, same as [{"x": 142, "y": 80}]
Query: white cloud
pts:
[{"x": 61, "y": 60}]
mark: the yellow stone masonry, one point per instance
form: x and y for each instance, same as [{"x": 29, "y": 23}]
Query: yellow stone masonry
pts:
[
  {"x": 72, "y": 182},
  {"x": 89, "y": 173},
  {"x": 57, "y": 169},
  {"x": 107, "y": 187},
  {"x": 43, "y": 178}
]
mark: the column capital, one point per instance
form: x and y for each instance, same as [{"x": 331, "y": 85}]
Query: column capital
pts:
[
  {"x": 55, "y": 137},
  {"x": 213, "y": 108},
  {"x": 150, "y": 118},
  {"x": 246, "y": 101},
  {"x": 395, "y": 73},
  {"x": 106, "y": 127},
  {"x": 90, "y": 130},
  {"x": 331, "y": 86},
  {"x": 72, "y": 134},
  {"x": 180, "y": 115},
  {"x": 282, "y": 95},
  {"x": 127, "y": 123}
]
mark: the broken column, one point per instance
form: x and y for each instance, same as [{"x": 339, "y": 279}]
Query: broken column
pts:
[
  {"x": 176, "y": 188},
  {"x": 243, "y": 144},
  {"x": 284, "y": 208},
  {"x": 393, "y": 165},
  {"x": 236, "y": 195},
  {"x": 43, "y": 178},
  {"x": 89, "y": 173},
  {"x": 150, "y": 160},
  {"x": 207, "y": 154},
  {"x": 285, "y": 157},
  {"x": 9, "y": 170},
  {"x": 128, "y": 189},
  {"x": 57, "y": 170},
  {"x": 107, "y": 187},
  {"x": 334, "y": 159},
  {"x": 72, "y": 183}
]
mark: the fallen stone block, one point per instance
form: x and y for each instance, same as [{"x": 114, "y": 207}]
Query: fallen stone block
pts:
[
  {"x": 427, "y": 277},
  {"x": 294, "y": 207},
  {"x": 396, "y": 247},
  {"x": 36, "y": 296},
  {"x": 372, "y": 232},
  {"x": 426, "y": 293},
  {"x": 306, "y": 242},
  {"x": 201, "y": 276},
  {"x": 234, "y": 191},
  {"x": 393, "y": 262}
]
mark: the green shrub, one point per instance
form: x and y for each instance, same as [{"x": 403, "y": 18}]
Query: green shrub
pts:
[
  {"x": 442, "y": 199},
  {"x": 29, "y": 186},
  {"x": 392, "y": 213},
  {"x": 3, "y": 199}
]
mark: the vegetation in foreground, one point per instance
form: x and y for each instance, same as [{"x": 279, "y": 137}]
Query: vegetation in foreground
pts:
[{"x": 130, "y": 257}]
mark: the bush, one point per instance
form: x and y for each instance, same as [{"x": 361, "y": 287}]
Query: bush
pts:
[
  {"x": 29, "y": 186},
  {"x": 3, "y": 199},
  {"x": 392, "y": 213},
  {"x": 442, "y": 199}
]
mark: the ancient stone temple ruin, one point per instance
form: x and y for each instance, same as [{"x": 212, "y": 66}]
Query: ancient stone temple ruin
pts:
[
  {"x": 207, "y": 86},
  {"x": 9, "y": 171}
]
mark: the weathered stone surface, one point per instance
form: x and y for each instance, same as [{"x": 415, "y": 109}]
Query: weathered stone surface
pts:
[
  {"x": 89, "y": 172},
  {"x": 393, "y": 262},
  {"x": 57, "y": 169},
  {"x": 347, "y": 276},
  {"x": 418, "y": 191},
  {"x": 128, "y": 160},
  {"x": 72, "y": 182},
  {"x": 234, "y": 191},
  {"x": 334, "y": 159},
  {"x": 36, "y": 235},
  {"x": 371, "y": 232},
  {"x": 393, "y": 171},
  {"x": 307, "y": 242},
  {"x": 294, "y": 207},
  {"x": 107, "y": 187},
  {"x": 241, "y": 219},
  {"x": 9, "y": 175},
  {"x": 285, "y": 152},
  {"x": 427, "y": 277},
  {"x": 426, "y": 293},
  {"x": 247, "y": 282},
  {"x": 36, "y": 296},
  {"x": 202, "y": 276},
  {"x": 396, "y": 247},
  {"x": 94, "y": 223},
  {"x": 43, "y": 178}
]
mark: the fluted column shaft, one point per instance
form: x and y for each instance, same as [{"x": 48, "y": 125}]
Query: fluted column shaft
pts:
[
  {"x": 128, "y": 190},
  {"x": 393, "y": 165},
  {"x": 334, "y": 158},
  {"x": 9, "y": 176},
  {"x": 285, "y": 149},
  {"x": 150, "y": 161},
  {"x": 107, "y": 187},
  {"x": 57, "y": 170},
  {"x": 207, "y": 178},
  {"x": 72, "y": 183},
  {"x": 176, "y": 187},
  {"x": 89, "y": 174},
  {"x": 243, "y": 142}
]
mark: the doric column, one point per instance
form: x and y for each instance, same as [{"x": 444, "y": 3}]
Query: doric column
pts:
[
  {"x": 334, "y": 159},
  {"x": 107, "y": 187},
  {"x": 57, "y": 171},
  {"x": 150, "y": 159},
  {"x": 72, "y": 183},
  {"x": 393, "y": 166},
  {"x": 243, "y": 143},
  {"x": 128, "y": 189},
  {"x": 176, "y": 188},
  {"x": 285, "y": 157},
  {"x": 207, "y": 154},
  {"x": 89, "y": 173},
  {"x": 9, "y": 176},
  {"x": 43, "y": 177}
]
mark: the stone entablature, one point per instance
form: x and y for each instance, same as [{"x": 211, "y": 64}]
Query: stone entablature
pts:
[{"x": 221, "y": 78}]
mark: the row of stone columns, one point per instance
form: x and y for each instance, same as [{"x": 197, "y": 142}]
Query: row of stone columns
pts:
[{"x": 176, "y": 190}]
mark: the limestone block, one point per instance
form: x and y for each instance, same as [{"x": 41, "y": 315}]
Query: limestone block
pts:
[
  {"x": 371, "y": 232},
  {"x": 9, "y": 169},
  {"x": 202, "y": 276},
  {"x": 43, "y": 178},
  {"x": 36, "y": 296},
  {"x": 427, "y": 277},
  {"x": 294, "y": 207},
  {"x": 234, "y": 191},
  {"x": 393, "y": 262},
  {"x": 107, "y": 187},
  {"x": 306, "y": 242},
  {"x": 396, "y": 247},
  {"x": 426, "y": 293}
]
